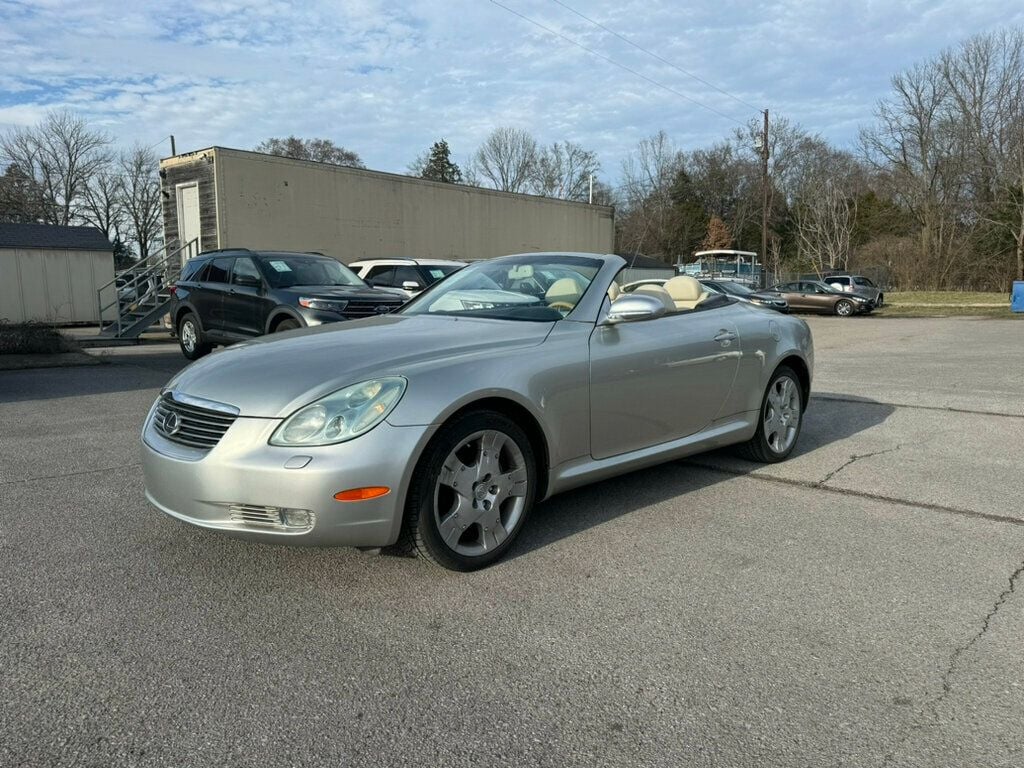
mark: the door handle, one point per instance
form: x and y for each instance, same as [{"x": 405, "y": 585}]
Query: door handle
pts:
[{"x": 725, "y": 335}]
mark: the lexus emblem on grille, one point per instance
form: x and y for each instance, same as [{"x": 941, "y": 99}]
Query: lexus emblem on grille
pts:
[
  {"x": 172, "y": 423},
  {"x": 382, "y": 309}
]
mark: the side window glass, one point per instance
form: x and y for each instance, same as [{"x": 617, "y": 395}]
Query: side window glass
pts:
[
  {"x": 407, "y": 274},
  {"x": 245, "y": 272},
  {"x": 218, "y": 270},
  {"x": 192, "y": 270},
  {"x": 382, "y": 275}
]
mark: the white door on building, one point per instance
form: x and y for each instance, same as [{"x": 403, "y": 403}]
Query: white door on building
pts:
[{"x": 188, "y": 219}]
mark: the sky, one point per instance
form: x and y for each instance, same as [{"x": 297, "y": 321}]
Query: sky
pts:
[{"x": 386, "y": 79}]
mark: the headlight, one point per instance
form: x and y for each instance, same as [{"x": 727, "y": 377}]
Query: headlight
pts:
[
  {"x": 342, "y": 415},
  {"x": 330, "y": 305}
]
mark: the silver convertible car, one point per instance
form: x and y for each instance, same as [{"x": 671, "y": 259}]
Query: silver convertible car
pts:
[{"x": 435, "y": 430}]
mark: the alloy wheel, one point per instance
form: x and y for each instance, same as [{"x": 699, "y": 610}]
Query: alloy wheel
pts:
[
  {"x": 782, "y": 414},
  {"x": 188, "y": 336},
  {"x": 480, "y": 494}
]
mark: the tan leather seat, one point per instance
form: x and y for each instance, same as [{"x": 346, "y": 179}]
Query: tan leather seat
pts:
[
  {"x": 686, "y": 292},
  {"x": 659, "y": 293},
  {"x": 564, "y": 290},
  {"x": 614, "y": 291}
]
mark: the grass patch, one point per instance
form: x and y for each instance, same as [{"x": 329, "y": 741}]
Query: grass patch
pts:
[
  {"x": 32, "y": 339},
  {"x": 948, "y": 310},
  {"x": 948, "y": 298}
]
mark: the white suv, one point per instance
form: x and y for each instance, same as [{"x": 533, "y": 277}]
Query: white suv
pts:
[{"x": 410, "y": 276}]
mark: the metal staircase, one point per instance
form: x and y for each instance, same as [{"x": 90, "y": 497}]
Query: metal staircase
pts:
[{"x": 140, "y": 295}]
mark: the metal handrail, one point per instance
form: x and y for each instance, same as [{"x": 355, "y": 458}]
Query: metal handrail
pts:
[{"x": 164, "y": 267}]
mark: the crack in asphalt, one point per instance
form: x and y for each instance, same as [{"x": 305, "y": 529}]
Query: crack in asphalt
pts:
[
  {"x": 947, "y": 686},
  {"x": 942, "y": 408},
  {"x": 854, "y": 458},
  {"x": 931, "y": 708},
  {"x": 70, "y": 474},
  {"x": 815, "y": 486}
]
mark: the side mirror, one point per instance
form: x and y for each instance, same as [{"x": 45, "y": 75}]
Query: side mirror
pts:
[
  {"x": 411, "y": 285},
  {"x": 249, "y": 282},
  {"x": 633, "y": 307}
]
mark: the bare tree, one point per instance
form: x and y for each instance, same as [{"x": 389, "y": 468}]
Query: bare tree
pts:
[
  {"x": 140, "y": 195},
  {"x": 507, "y": 159},
  {"x": 564, "y": 171},
  {"x": 103, "y": 201},
  {"x": 317, "y": 150},
  {"x": 985, "y": 80},
  {"x": 648, "y": 174},
  {"x": 918, "y": 144},
  {"x": 62, "y": 154},
  {"x": 824, "y": 217}
]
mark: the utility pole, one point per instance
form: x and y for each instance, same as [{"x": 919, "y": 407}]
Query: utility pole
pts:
[{"x": 764, "y": 202}]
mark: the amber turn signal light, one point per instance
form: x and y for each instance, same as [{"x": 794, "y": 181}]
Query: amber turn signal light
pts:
[{"x": 362, "y": 494}]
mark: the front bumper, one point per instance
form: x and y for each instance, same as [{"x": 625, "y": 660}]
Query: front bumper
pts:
[{"x": 208, "y": 488}]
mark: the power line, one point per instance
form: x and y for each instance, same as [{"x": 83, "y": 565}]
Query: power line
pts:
[
  {"x": 656, "y": 56},
  {"x": 617, "y": 64}
]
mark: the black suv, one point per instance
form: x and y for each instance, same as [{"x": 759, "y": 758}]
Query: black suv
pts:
[{"x": 229, "y": 295}]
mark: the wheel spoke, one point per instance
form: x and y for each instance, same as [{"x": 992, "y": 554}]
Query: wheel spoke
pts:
[
  {"x": 458, "y": 476},
  {"x": 492, "y": 532},
  {"x": 452, "y": 526},
  {"x": 514, "y": 483},
  {"x": 490, "y": 450}
]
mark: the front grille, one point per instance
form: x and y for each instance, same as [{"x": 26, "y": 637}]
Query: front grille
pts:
[
  {"x": 189, "y": 424},
  {"x": 360, "y": 308}
]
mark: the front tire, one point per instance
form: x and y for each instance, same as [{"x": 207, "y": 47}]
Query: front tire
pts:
[
  {"x": 190, "y": 338},
  {"x": 286, "y": 325},
  {"x": 471, "y": 493},
  {"x": 844, "y": 308},
  {"x": 780, "y": 420}
]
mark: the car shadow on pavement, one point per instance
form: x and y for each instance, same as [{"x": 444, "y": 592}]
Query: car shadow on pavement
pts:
[
  {"x": 831, "y": 417},
  {"x": 125, "y": 370}
]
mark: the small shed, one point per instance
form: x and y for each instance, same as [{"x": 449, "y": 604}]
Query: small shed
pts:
[{"x": 51, "y": 274}]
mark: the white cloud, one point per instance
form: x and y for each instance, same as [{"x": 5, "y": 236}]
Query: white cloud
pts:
[{"x": 388, "y": 78}]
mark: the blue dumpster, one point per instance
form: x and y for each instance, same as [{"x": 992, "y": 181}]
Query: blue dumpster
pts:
[{"x": 1017, "y": 297}]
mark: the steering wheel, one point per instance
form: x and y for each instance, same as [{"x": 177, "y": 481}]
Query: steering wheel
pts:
[{"x": 562, "y": 305}]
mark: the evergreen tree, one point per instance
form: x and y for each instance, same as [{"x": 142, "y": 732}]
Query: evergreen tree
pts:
[{"x": 439, "y": 165}]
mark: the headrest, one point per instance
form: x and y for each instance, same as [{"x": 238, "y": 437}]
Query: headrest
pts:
[
  {"x": 684, "y": 288},
  {"x": 563, "y": 287}
]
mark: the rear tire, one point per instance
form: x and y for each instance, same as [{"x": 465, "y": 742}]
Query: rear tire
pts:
[
  {"x": 471, "y": 493},
  {"x": 779, "y": 421},
  {"x": 844, "y": 308},
  {"x": 190, "y": 338}
]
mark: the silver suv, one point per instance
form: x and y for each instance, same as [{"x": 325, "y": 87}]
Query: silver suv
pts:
[{"x": 857, "y": 284}]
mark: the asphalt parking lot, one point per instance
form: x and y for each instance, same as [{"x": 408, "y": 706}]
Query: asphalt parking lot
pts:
[{"x": 860, "y": 604}]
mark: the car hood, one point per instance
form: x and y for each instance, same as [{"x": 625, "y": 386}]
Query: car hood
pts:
[
  {"x": 340, "y": 292},
  {"x": 272, "y": 376}
]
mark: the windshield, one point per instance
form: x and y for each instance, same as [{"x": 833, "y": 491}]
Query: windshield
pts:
[
  {"x": 286, "y": 270},
  {"x": 736, "y": 289},
  {"x": 539, "y": 288}
]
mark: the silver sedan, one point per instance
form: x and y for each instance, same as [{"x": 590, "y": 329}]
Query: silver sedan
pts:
[{"x": 437, "y": 429}]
